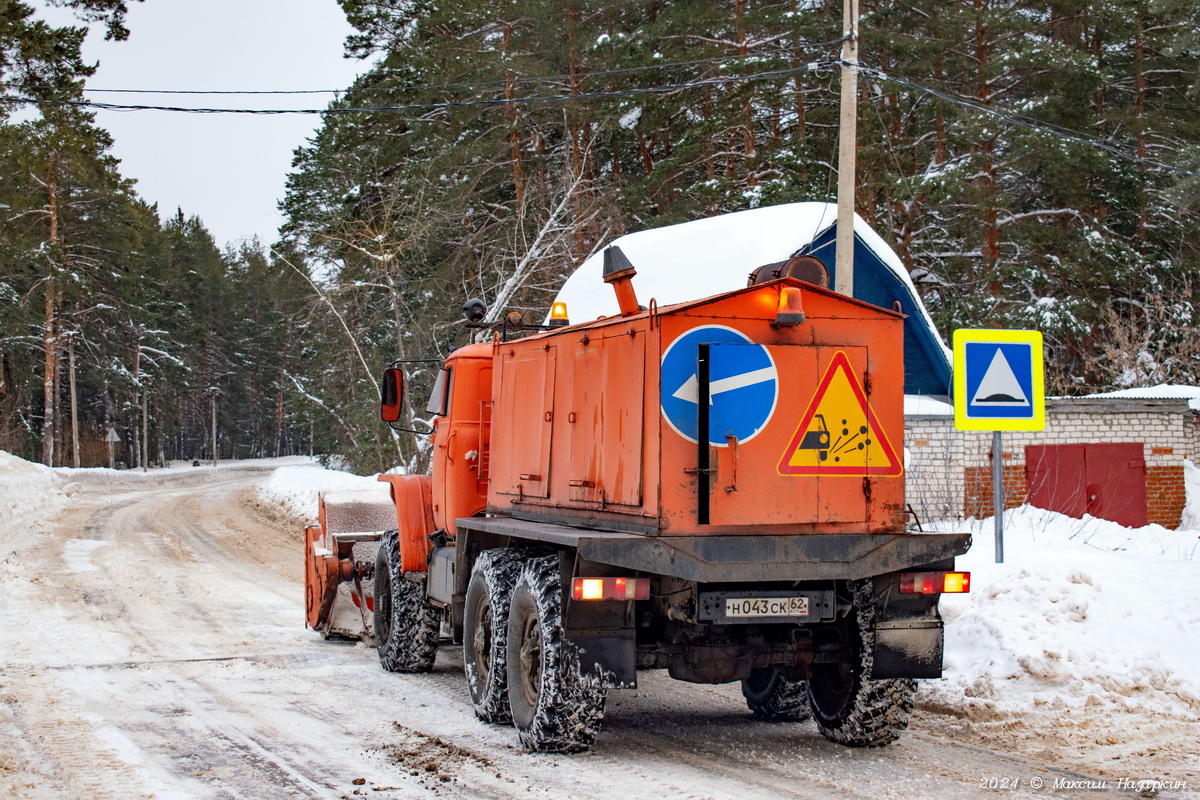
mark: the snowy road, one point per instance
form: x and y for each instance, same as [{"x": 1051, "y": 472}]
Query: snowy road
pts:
[{"x": 153, "y": 646}]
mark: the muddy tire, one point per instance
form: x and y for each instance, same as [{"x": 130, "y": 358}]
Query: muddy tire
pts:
[
  {"x": 850, "y": 708},
  {"x": 773, "y": 698},
  {"x": 555, "y": 709},
  {"x": 406, "y": 626},
  {"x": 485, "y": 632}
]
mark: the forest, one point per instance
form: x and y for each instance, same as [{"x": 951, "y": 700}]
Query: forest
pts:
[{"x": 1035, "y": 164}]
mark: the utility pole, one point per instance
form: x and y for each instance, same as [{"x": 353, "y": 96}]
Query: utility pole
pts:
[
  {"x": 145, "y": 430},
  {"x": 847, "y": 143},
  {"x": 214, "y": 426},
  {"x": 74, "y": 401}
]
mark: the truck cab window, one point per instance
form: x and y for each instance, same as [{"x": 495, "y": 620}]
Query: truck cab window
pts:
[{"x": 439, "y": 400}]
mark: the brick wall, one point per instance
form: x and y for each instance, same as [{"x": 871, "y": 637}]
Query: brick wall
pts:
[
  {"x": 977, "y": 489},
  {"x": 949, "y": 471},
  {"x": 1165, "y": 495}
]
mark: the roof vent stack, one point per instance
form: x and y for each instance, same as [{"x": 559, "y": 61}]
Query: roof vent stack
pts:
[{"x": 618, "y": 272}]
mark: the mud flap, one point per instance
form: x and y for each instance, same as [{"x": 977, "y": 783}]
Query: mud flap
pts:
[
  {"x": 908, "y": 648},
  {"x": 609, "y": 658}
]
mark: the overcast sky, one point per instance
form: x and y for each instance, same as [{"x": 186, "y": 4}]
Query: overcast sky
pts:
[{"x": 228, "y": 169}]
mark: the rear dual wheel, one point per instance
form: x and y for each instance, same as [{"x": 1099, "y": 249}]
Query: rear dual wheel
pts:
[
  {"x": 555, "y": 708},
  {"x": 485, "y": 634},
  {"x": 774, "y": 698}
]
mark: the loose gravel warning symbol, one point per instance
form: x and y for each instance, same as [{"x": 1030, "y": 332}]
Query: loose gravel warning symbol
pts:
[{"x": 838, "y": 434}]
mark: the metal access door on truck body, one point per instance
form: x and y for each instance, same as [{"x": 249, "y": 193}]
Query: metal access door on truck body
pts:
[
  {"x": 604, "y": 419},
  {"x": 520, "y": 450},
  {"x": 808, "y": 463},
  {"x": 792, "y": 435}
]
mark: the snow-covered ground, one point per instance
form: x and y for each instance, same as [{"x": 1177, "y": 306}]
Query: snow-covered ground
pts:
[
  {"x": 1088, "y": 629},
  {"x": 1078, "y": 654},
  {"x": 31, "y": 495},
  {"x": 1086, "y": 635}
]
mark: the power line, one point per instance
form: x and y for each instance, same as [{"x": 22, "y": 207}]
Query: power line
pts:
[
  {"x": 216, "y": 91},
  {"x": 426, "y": 107},
  {"x": 1013, "y": 118},
  {"x": 517, "y": 80},
  {"x": 1029, "y": 123}
]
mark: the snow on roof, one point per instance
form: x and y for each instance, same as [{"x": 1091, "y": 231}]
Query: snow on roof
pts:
[
  {"x": 677, "y": 263},
  {"x": 1163, "y": 391},
  {"x": 923, "y": 405},
  {"x": 713, "y": 255},
  {"x": 708, "y": 256}
]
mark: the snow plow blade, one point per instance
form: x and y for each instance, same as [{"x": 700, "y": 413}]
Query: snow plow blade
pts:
[{"x": 339, "y": 555}]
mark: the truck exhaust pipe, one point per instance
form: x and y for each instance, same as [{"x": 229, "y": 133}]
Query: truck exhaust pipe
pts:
[{"x": 618, "y": 272}]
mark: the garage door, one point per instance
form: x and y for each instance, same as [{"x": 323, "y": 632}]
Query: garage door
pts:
[{"x": 1104, "y": 480}]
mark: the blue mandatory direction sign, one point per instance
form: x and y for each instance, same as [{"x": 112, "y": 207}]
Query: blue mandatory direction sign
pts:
[
  {"x": 743, "y": 385},
  {"x": 998, "y": 380}
]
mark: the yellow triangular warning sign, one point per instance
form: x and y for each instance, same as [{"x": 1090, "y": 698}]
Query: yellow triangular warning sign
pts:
[{"x": 838, "y": 434}]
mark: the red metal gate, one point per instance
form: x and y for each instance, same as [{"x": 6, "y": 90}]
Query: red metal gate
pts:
[{"x": 1104, "y": 480}]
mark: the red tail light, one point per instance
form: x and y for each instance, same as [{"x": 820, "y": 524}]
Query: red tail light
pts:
[
  {"x": 935, "y": 582},
  {"x": 611, "y": 589}
]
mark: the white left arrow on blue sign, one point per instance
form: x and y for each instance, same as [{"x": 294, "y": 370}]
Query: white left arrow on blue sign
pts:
[
  {"x": 742, "y": 391},
  {"x": 690, "y": 390}
]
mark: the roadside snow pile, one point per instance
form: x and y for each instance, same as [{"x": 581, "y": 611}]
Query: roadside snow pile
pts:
[
  {"x": 296, "y": 488},
  {"x": 30, "y": 496},
  {"x": 1085, "y": 620},
  {"x": 1191, "y": 486}
]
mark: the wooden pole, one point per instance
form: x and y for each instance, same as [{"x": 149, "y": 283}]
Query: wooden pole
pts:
[
  {"x": 847, "y": 144},
  {"x": 74, "y": 402},
  {"x": 145, "y": 432},
  {"x": 214, "y": 427}
]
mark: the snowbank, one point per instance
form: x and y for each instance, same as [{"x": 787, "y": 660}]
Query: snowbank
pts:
[
  {"x": 1085, "y": 624},
  {"x": 30, "y": 496},
  {"x": 295, "y": 489},
  {"x": 1190, "y": 520}
]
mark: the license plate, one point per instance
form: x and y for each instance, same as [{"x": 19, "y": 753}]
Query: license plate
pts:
[{"x": 766, "y": 606}]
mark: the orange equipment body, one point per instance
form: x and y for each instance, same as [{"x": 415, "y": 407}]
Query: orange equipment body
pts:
[
  {"x": 585, "y": 440},
  {"x": 414, "y": 517},
  {"x": 460, "y": 462},
  {"x": 714, "y": 488}
]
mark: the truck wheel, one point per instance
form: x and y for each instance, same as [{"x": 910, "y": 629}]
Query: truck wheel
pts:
[
  {"x": 554, "y": 708},
  {"x": 850, "y": 708},
  {"x": 485, "y": 632},
  {"x": 773, "y": 698},
  {"x": 406, "y": 626}
]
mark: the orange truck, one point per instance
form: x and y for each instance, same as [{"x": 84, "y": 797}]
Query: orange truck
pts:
[{"x": 714, "y": 488}]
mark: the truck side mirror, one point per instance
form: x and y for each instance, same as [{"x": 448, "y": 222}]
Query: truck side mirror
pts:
[{"x": 391, "y": 394}]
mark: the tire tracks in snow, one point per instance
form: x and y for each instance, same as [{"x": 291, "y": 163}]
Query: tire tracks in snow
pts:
[{"x": 178, "y": 667}]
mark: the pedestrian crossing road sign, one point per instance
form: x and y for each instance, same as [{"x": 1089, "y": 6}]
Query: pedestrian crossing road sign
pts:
[{"x": 998, "y": 381}]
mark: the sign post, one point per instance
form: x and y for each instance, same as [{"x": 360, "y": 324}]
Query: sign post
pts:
[
  {"x": 999, "y": 385},
  {"x": 112, "y": 438}
]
